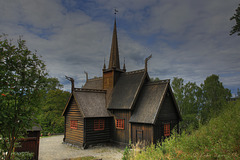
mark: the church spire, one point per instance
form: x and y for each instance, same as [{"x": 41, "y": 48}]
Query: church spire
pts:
[
  {"x": 124, "y": 66},
  {"x": 114, "y": 54},
  {"x": 104, "y": 65},
  {"x": 113, "y": 72}
]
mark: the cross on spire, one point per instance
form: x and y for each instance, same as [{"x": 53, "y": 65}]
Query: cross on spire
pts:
[{"x": 115, "y": 11}]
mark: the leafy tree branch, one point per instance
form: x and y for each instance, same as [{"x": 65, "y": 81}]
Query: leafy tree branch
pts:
[
  {"x": 236, "y": 17},
  {"x": 23, "y": 78}
]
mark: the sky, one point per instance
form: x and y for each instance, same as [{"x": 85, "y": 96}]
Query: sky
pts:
[{"x": 188, "y": 39}]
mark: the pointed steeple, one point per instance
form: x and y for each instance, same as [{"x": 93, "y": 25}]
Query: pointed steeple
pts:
[
  {"x": 104, "y": 65},
  {"x": 124, "y": 66},
  {"x": 113, "y": 72},
  {"x": 114, "y": 54}
]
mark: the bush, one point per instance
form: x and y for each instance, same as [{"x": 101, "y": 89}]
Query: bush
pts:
[
  {"x": 219, "y": 139},
  {"x": 126, "y": 154},
  {"x": 23, "y": 155}
]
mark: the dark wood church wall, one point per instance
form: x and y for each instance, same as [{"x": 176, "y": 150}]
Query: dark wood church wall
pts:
[
  {"x": 97, "y": 136},
  {"x": 159, "y": 129},
  {"x": 142, "y": 132},
  {"x": 121, "y": 135},
  {"x": 74, "y": 136},
  {"x": 168, "y": 114},
  {"x": 168, "y": 110}
]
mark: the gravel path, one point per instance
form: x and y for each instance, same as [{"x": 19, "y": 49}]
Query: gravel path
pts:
[{"x": 51, "y": 148}]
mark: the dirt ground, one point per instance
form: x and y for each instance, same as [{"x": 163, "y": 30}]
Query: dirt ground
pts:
[{"x": 51, "y": 148}]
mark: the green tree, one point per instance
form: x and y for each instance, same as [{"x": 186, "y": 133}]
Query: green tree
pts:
[
  {"x": 154, "y": 79},
  {"x": 199, "y": 104},
  {"x": 52, "y": 84},
  {"x": 238, "y": 93},
  {"x": 236, "y": 17},
  {"x": 215, "y": 97},
  {"x": 50, "y": 117},
  {"x": 189, "y": 99},
  {"x": 178, "y": 89},
  {"x": 191, "y": 105},
  {"x": 22, "y": 78}
]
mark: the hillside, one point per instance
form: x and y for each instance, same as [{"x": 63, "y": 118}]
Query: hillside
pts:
[{"x": 219, "y": 139}]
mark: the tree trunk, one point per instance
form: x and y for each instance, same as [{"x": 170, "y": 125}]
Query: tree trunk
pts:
[
  {"x": 12, "y": 142},
  {"x": 8, "y": 157}
]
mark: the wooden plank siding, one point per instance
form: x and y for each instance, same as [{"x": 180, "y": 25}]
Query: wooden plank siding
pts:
[
  {"x": 121, "y": 135},
  {"x": 74, "y": 136},
  {"x": 168, "y": 110},
  {"x": 168, "y": 114},
  {"x": 147, "y": 132},
  {"x": 97, "y": 136},
  {"x": 108, "y": 80}
]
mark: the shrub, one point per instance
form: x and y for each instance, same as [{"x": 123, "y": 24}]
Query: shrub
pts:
[
  {"x": 126, "y": 154},
  {"x": 23, "y": 155},
  {"x": 219, "y": 139}
]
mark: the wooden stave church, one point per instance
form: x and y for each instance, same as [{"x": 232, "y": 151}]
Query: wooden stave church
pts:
[{"x": 120, "y": 107}]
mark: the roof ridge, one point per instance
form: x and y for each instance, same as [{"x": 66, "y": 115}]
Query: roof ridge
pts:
[
  {"x": 136, "y": 71},
  {"x": 88, "y": 90},
  {"x": 95, "y": 78},
  {"x": 158, "y": 82}
]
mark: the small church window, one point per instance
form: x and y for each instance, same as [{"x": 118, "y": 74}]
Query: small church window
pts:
[
  {"x": 99, "y": 124},
  {"x": 167, "y": 129},
  {"x": 73, "y": 124},
  {"x": 119, "y": 123}
]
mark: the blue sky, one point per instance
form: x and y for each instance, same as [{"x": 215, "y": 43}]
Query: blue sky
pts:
[{"x": 188, "y": 39}]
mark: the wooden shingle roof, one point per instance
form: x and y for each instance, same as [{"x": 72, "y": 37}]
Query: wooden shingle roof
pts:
[
  {"x": 91, "y": 103},
  {"x": 149, "y": 102},
  {"x": 95, "y": 83},
  {"x": 127, "y": 89}
]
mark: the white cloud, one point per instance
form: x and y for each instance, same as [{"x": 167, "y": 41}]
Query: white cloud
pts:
[{"x": 188, "y": 39}]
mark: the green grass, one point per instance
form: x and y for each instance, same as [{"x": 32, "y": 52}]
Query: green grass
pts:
[{"x": 219, "y": 139}]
